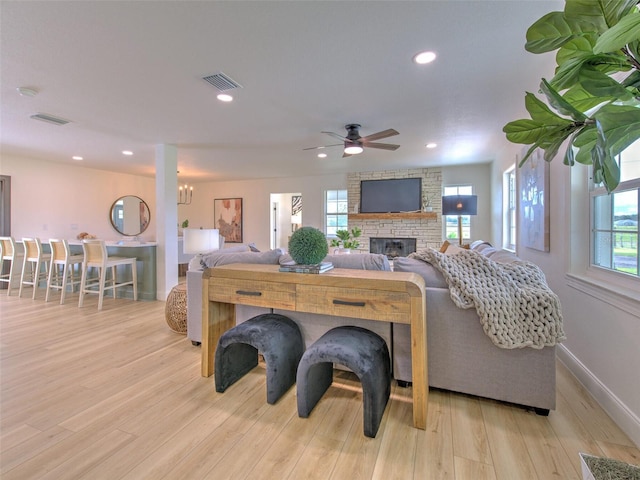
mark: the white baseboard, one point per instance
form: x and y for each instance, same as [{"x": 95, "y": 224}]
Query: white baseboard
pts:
[{"x": 618, "y": 411}]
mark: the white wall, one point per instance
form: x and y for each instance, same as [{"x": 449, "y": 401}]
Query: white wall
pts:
[
  {"x": 53, "y": 200},
  {"x": 256, "y": 203},
  {"x": 603, "y": 336}
]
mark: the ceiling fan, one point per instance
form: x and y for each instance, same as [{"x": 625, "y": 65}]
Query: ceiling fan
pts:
[{"x": 354, "y": 143}]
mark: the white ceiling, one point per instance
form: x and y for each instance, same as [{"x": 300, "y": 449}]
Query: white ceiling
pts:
[{"x": 129, "y": 76}]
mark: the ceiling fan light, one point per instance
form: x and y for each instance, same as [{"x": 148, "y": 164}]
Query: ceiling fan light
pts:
[{"x": 353, "y": 150}]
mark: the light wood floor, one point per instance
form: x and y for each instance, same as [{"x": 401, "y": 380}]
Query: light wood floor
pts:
[{"x": 117, "y": 395}]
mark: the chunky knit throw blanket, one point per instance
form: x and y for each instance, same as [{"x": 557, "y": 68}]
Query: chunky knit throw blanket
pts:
[{"x": 515, "y": 305}]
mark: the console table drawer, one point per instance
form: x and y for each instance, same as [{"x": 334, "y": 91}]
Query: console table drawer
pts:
[
  {"x": 256, "y": 293},
  {"x": 383, "y": 305}
]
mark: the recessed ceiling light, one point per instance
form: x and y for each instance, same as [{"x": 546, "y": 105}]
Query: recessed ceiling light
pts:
[
  {"x": 127, "y": 152},
  {"x": 76, "y": 157},
  {"x": 322, "y": 155},
  {"x": 223, "y": 97},
  {"x": 424, "y": 57},
  {"x": 27, "y": 92},
  {"x": 431, "y": 145}
]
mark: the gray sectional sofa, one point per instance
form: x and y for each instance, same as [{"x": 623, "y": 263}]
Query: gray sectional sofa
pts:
[{"x": 461, "y": 356}]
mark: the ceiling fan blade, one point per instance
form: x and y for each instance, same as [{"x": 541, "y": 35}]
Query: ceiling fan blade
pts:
[
  {"x": 383, "y": 146},
  {"x": 335, "y": 135},
  {"x": 324, "y": 146},
  {"x": 346, "y": 155},
  {"x": 390, "y": 132}
]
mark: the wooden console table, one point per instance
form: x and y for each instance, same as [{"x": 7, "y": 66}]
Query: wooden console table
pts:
[{"x": 397, "y": 297}]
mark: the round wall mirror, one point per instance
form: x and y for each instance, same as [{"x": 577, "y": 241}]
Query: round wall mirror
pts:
[{"x": 130, "y": 215}]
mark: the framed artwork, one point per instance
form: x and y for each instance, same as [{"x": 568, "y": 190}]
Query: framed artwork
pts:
[
  {"x": 296, "y": 205},
  {"x": 228, "y": 218},
  {"x": 533, "y": 202}
]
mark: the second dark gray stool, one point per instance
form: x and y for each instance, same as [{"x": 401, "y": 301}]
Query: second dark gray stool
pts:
[
  {"x": 358, "y": 349},
  {"x": 279, "y": 340}
]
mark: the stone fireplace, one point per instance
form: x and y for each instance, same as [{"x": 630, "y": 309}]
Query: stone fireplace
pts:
[
  {"x": 425, "y": 228},
  {"x": 392, "y": 247}
]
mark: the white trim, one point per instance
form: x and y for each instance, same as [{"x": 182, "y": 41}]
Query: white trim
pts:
[
  {"x": 625, "y": 299},
  {"x": 617, "y": 410}
]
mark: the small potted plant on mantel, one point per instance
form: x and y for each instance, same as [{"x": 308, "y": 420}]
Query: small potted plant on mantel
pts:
[
  {"x": 426, "y": 202},
  {"x": 346, "y": 240}
]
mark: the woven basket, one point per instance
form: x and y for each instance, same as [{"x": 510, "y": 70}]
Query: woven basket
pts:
[{"x": 175, "y": 311}]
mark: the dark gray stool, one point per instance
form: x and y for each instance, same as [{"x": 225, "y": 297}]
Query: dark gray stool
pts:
[
  {"x": 279, "y": 340},
  {"x": 358, "y": 349}
]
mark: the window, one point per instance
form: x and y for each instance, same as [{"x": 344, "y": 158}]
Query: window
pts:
[
  {"x": 614, "y": 218},
  {"x": 337, "y": 213},
  {"x": 451, "y": 221},
  {"x": 509, "y": 209}
]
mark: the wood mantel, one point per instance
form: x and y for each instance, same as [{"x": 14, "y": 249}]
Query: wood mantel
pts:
[{"x": 394, "y": 216}]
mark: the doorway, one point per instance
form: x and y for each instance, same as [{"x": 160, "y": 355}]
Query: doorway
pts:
[{"x": 286, "y": 217}]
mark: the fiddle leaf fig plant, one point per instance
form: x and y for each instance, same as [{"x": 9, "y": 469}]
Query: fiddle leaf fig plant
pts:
[{"x": 593, "y": 100}]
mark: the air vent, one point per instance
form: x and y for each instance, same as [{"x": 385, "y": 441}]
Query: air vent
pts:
[
  {"x": 45, "y": 117},
  {"x": 221, "y": 82}
]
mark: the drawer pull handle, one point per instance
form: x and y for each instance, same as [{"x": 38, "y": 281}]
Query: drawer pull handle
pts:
[
  {"x": 246, "y": 292},
  {"x": 351, "y": 304}
]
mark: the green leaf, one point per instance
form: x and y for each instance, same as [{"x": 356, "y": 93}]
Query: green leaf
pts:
[
  {"x": 576, "y": 48},
  {"x": 568, "y": 74},
  {"x": 604, "y": 162},
  {"x": 582, "y": 100},
  {"x": 550, "y": 32},
  {"x": 541, "y": 113},
  {"x": 600, "y": 13},
  {"x": 632, "y": 80},
  {"x": 627, "y": 30},
  {"x": 600, "y": 85},
  {"x": 569, "y": 156},
  {"x": 585, "y": 142},
  {"x": 559, "y": 103},
  {"x": 524, "y": 131},
  {"x": 619, "y": 125},
  {"x": 553, "y": 144},
  {"x": 527, "y": 155},
  {"x": 634, "y": 49}
]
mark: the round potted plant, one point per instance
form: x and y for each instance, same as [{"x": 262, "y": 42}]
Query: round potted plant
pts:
[{"x": 308, "y": 246}]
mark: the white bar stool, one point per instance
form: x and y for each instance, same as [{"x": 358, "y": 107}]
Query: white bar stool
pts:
[
  {"x": 34, "y": 258},
  {"x": 11, "y": 252},
  {"x": 62, "y": 260},
  {"x": 96, "y": 256}
]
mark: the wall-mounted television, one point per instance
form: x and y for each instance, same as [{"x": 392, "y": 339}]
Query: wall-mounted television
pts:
[{"x": 391, "y": 195}]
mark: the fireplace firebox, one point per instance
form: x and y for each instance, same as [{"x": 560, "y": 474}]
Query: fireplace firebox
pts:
[{"x": 392, "y": 247}]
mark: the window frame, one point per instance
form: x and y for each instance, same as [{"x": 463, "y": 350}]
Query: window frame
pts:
[
  {"x": 450, "y": 222},
  {"x": 509, "y": 209},
  {"x": 341, "y": 214},
  {"x": 602, "y": 204}
]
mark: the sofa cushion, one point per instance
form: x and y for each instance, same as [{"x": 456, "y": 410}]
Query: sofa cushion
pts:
[
  {"x": 355, "y": 261},
  {"x": 503, "y": 256},
  {"x": 221, "y": 258},
  {"x": 432, "y": 276}
]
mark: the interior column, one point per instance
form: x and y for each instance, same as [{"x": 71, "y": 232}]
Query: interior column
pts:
[{"x": 166, "y": 218}]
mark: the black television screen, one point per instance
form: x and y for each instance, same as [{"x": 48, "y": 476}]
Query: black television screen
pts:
[{"x": 391, "y": 195}]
